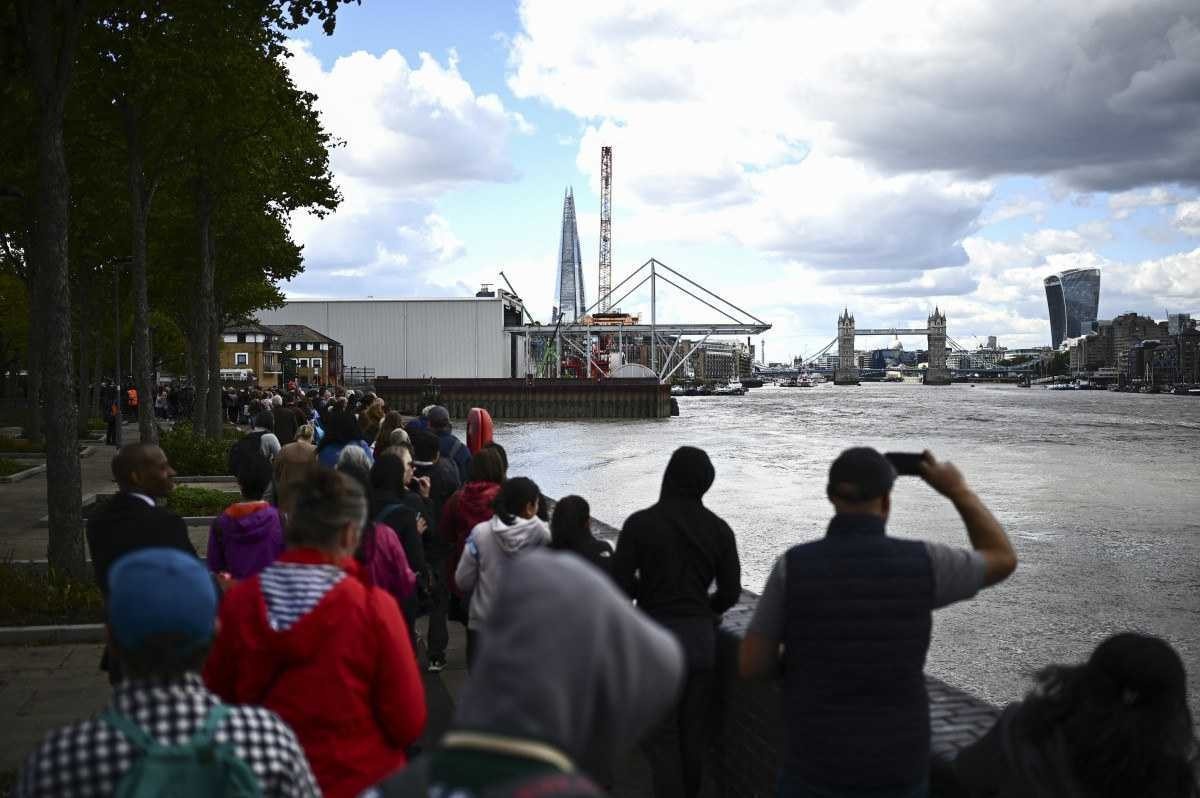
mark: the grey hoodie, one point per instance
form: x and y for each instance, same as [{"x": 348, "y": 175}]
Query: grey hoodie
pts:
[
  {"x": 565, "y": 659},
  {"x": 490, "y": 547}
]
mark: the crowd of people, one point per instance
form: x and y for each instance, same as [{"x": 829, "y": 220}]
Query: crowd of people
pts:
[{"x": 287, "y": 660}]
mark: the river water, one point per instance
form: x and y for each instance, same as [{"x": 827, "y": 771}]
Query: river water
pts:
[{"x": 1100, "y": 493}]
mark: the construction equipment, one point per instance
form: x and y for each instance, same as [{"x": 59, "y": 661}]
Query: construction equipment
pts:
[{"x": 605, "y": 228}]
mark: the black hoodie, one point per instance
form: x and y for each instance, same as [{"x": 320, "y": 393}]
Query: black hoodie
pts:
[{"x": 669, "y": 554}]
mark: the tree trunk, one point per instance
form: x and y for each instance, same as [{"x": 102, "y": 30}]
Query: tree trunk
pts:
[
  {"x": 140, "y": 198},
  {"x": 81, "y": 387},
  {"x": 216, "y": 420},
  {"x": 202, "y": 326},
  {"x": 33, "y": 358},
  {"x": 97, "y": 370},
  {"x": 52, "y": 38}
]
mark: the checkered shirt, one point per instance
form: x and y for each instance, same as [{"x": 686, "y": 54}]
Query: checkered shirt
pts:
[{"x": 89, "y": 758}]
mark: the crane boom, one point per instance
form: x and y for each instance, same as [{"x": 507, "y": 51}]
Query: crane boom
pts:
[{"x": 605, "y": 228}]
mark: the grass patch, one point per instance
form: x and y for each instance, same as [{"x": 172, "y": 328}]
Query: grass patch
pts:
[
  {"x": 187, "y": 500},
  {"x": 20, "y": 445},
  {"x": 193, "y": 455},
  {"x": 10, "y": 467},
  {"x": 32, "y": 596}
]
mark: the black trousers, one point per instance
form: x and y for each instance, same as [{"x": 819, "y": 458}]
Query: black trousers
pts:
[
  {"x": 438, "y": 633},
  {"x": 677, "y": 748}
]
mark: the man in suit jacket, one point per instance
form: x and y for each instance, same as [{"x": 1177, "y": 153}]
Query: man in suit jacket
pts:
[{"x": 131, "y": 520}]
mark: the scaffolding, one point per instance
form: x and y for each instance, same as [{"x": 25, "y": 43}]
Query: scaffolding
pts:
[{"x": 595, "y": 345}]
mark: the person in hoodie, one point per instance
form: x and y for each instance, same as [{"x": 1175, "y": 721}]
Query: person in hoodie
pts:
[
  {"x": 247, "y": 536},
  {"x": 308, "y": 639},
  {"x": 571, "y": 530},
  {"x": 667, "y": 557},
  {"x": 491, "y": 547},
  {"x": 450, "y": 447},
  {"x": 569, "y": 677}
]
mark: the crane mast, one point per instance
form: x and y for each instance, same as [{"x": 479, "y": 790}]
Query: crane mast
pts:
[{"x": 605, "y": 228}]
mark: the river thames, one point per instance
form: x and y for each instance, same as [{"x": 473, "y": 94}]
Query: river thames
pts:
[{"x": 1099, "y": 492}]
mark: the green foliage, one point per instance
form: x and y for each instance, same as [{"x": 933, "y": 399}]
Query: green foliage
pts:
[
  {"x": 191, "y": 454},
  {"x": 32, "y": 596},
  {"x": 10, "y": 467},
  {"x": 191, "y": 501}
]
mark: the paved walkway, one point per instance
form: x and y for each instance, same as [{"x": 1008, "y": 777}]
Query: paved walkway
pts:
[
  {"x": 23, "y": 504},
  {"x": 44, "y": 687}
]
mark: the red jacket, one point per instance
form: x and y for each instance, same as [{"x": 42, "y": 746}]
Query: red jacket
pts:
[
  {"x": 342, "y": 675},
  {"x": 470, "y": 505}
]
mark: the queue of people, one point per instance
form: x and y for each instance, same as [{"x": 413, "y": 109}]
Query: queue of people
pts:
[{"x": 287, "y": 662}]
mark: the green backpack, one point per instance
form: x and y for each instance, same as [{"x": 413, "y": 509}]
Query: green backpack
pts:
[{"x": 199, "y": 767}]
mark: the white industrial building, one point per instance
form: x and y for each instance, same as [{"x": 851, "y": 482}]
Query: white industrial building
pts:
[{"x": 451, "y": 337}]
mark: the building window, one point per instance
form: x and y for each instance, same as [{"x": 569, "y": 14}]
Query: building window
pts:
[
  {"x": 302, "y": 362},
  {"x": 324, "y": 347},
  {"x": 316, "y": 362},
  {"x": 241, "y": 359},
  {"x": 241, "y": 338},
  {"x": 230, "y": 339}
]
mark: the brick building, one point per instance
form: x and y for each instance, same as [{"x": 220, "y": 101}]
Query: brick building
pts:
[
  {"x": 309, "y": 357},
  {"x": 250, "y": 353}
]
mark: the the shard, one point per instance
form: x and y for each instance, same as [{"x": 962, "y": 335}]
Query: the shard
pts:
[{"x": 569, "y": 301}]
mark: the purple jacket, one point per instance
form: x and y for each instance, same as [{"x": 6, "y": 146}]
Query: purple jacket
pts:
[
  {"x": 386, "y": 564},
  {"x": 245, "y": 539}
]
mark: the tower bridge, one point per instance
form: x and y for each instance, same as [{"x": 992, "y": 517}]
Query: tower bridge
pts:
[{"x": 934, "y": 332}]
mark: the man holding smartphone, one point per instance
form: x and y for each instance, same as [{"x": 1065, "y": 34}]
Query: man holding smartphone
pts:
[{"x": 853, "y": 614}]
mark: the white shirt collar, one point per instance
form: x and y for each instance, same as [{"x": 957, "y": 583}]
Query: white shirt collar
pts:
[{"x": 144, "y": 498}]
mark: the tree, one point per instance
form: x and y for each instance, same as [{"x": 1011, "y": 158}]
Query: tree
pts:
[{"x": 257, "y": 148}]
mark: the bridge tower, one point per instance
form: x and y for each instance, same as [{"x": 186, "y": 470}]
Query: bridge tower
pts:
[
  {"x": 847, "y": 369},
  {"x": 937, "y": 373}
]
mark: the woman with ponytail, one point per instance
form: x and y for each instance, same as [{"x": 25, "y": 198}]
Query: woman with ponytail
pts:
[
  {"x": 513, "y": 529},
  {"x": 1115, "y": 726}
]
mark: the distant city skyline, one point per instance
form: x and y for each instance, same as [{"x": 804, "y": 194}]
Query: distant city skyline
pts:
[{"x": 881, "y": 159}]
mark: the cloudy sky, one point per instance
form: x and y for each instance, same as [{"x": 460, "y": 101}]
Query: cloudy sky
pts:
[{"x": 795, "y": 157}]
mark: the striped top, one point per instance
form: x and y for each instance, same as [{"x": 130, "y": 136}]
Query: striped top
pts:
[{"x": 291, "y": 590}]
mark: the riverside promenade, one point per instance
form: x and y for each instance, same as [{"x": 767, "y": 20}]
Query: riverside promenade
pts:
[{"x": 47, "y": 681}]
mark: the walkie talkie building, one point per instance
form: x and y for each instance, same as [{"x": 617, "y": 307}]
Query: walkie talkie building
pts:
[
  {"x": 1058, "y": 310},
  {"x": 1073, "y": 300}
]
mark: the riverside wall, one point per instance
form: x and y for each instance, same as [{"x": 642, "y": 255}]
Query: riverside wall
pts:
[
  {"x": 749, "y": 739},
  {"x": 511, "y": 399}
]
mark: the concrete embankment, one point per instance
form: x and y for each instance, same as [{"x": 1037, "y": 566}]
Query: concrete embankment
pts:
[{"x": 512, "y": 400}]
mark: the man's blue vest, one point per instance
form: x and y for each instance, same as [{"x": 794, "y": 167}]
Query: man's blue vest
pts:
[{"x": 859, "y": 612}]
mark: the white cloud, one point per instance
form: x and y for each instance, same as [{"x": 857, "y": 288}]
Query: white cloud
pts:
[
  {"x": 850, "y": 149},
  {"x": 1097, "y": 94},
  {"x": 410, "y": 133},
  {"x": 1187, "y": 217},
  {"x": 1123, "y": 204}
]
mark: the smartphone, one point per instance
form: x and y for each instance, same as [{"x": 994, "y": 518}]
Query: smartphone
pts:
[{"x": 905, "y": 463}]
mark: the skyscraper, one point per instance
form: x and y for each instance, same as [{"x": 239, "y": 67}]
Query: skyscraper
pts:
[
  {"x": 1058, "y": 310},
  {"x": 1081, "y": 294},
  {"x": 1073, "y": 299},
  {"x": 569, "y": 301}
]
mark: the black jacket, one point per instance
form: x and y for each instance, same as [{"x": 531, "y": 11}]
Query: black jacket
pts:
[
  {"x": 669, "y": 554},
  {"x": 285, "y": 424},
  {"x": 125, "y": 523}
]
